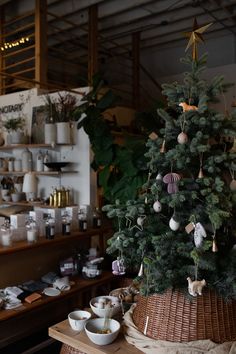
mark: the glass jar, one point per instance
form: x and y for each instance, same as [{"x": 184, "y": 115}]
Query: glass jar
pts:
[
  {"x": 31, "y": 230},
  {"x": 97, "y": 218},
  {"x": 50, "y": 227},
  {"x": 39, "y": 161},
  {"x": 83, "y": 224},
  {"x": 65, "y": 224},
  {"x": 27, "y": 160},
  {"x": 6, "y": 233}
]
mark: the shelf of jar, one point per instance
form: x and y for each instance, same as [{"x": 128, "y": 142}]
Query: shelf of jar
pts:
[
  {"x": 19, "y": 246},
  {"x": 31, "y": 146},
  {"x": 43, "y": 173}
]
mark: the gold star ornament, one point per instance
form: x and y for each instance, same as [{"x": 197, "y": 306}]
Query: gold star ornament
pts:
[{"x": 196, "y": 37}]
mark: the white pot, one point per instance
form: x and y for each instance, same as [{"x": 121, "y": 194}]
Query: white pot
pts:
[
  {"x": 17, "y": 137},
  {"x": 50, "y": 133},
  {"x": 63, "y": 133}
]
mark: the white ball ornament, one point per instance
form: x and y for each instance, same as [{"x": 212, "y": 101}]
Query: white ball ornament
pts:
[
  {"x": 173, "y": 224},
  {"x": 232, "y": 185},
  {"x": 157, "y": 206},
  {"x": 182, "y": 138}
]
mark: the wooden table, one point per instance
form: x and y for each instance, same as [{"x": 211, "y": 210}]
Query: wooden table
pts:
[{"x": 79, "y": 340}]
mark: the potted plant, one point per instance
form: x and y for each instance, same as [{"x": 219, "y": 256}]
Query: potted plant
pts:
[
  {"x": 60, "y": 110},
  {"x": 15, "y": 129}
]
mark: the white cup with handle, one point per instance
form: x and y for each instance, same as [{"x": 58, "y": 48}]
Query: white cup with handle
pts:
[{"x": 78, "y": 318}]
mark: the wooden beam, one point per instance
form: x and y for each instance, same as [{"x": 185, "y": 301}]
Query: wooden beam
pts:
[
  {"x": 41, "y": 63},
  {"x": 92, "y": 43},
  {"x": 136, "y": 68},
  {"x": 2, "y": 59}
]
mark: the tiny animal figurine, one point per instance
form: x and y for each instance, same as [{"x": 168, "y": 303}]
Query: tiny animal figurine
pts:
[
  {"x": 186, "y": 107},
  {"x": 195, "y": 287}
]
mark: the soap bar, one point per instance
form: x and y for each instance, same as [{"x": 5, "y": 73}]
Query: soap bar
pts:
[{"x": 33, "y": 297}]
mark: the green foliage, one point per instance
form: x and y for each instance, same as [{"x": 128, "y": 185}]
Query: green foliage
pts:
[
  {"x": 168, "y": 256},
  {"x": 120, "y": 167},
  {"x": 13, "y": 124}
]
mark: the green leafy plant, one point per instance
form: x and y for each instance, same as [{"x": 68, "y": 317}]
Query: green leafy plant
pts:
[
  {"x": 120, "y": 167},
  {"x": 14, "y": 124},
  {"x": 61, "y": 108}
]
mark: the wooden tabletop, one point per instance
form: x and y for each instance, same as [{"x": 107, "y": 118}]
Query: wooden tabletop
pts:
[{"x": 79, "y": 340}]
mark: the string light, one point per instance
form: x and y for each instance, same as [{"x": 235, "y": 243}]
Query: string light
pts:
[{"x": 16, "y": 43}]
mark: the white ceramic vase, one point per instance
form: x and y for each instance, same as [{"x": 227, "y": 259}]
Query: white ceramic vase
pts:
[
  {"x": 50, "y": 133},
  {"x": 63, "y": 133}
]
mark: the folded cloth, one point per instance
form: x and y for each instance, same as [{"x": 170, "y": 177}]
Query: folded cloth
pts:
[
  {"x": 13, "y": 290},
  {"x": 151, "y": 346}
]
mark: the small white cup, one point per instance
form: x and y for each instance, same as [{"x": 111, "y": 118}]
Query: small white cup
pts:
[
  {"x": 78, "y": 318},
  {"x": 62, "y": 283}
]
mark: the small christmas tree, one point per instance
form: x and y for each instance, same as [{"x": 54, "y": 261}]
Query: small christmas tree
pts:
[{"x": 181, "y": 227}]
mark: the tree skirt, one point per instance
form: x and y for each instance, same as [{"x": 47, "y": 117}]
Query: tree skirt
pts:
[{"x": 151, "y": 346}]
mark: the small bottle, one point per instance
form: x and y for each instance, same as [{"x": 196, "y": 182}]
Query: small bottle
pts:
[
  {"x": 27, "y": 160},
  {"x": 65, "y": 224},
  {"x": 46, "y": 159},
  {"x": 49, "y": 227},
  {"x": 32, "y": 230},
  {"x": 97, "y": 219},
  {"x": 82, "y": 221},
  {"x": 39, "y": 161},
  {"x": 6, "y": 233}
]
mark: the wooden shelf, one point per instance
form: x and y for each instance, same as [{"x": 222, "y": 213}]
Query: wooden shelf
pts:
[
  {"x": 43, "y": 173},
  {"x": 80, "y": 285},
  {"x": 32, "y": 146},
  {"x": 19, "y": 246}
]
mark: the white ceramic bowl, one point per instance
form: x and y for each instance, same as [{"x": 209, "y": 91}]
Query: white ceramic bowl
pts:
[
  {"x": 93, "y": 326},
  {"x": 78, "y": 318},
  {"x": 102, "y": 312}
]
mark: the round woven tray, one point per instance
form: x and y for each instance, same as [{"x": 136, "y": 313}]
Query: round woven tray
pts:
[{"x": 173, "y": 317}]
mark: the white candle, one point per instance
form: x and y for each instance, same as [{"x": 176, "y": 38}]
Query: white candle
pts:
[
  {"x": 31, "y": 235},
  {"x": 6, "y": 240}
]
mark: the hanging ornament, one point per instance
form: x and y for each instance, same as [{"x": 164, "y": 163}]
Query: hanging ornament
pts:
[
  {"x": 157, "y": 206},
  {"x": 171, "y": 180},
  {"x": 232, "y": 185},
  {"x": 153, "y": 136},
  {"x": 163, "y": 147},
  {"x": 159, "y": 177},
  {"x": 199, "y": 233},
  {"x": 200, "y": 173},
  {"x": 140, "y": 222},
  {"x": 140, "y": 272},
  {"x": 186, "y": 107},
  {"x": 182, "y": 138},
  {"x": 173, "y": 224},
  {"x": 195, "y": 287},
  {"x": 118, "y": 266},
  {"x": 214, "y": 246}
]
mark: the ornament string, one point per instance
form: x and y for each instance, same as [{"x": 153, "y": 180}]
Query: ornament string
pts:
[
  {"x": 232, "y": 173},
  {"x": 183, "y": 122},
  {"x": 196, "y": 271}
]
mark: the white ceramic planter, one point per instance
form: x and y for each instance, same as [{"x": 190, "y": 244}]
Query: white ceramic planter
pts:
[
  {"x": 63, "y": 133},
  {"x": 50, "y": 133}
]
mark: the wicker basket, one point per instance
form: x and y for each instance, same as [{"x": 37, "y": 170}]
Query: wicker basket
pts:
[
  {"x": 173, "y": 317},
  {"x": 67, "y": 349}
]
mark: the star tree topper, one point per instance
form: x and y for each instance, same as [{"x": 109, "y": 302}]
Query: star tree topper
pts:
[{"x": 196, "y": 37}]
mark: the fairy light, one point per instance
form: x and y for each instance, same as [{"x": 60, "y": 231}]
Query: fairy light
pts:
[{"x": 13, "y": 44}]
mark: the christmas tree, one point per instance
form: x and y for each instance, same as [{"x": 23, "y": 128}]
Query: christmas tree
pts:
[{"x": 181, "y": 226}]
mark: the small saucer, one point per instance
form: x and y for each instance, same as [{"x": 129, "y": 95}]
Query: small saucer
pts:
[{"x": 51, "y": 292}]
